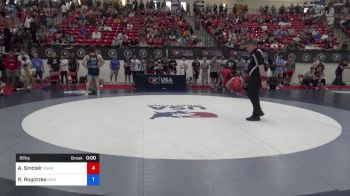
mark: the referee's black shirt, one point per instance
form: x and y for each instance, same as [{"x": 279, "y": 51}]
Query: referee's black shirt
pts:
[{"x": 256, "y": 59}]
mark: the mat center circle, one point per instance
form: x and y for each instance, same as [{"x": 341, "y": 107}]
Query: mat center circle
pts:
[{"x": 189, "y": 127}]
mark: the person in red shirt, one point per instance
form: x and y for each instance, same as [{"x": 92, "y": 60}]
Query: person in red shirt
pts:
[
  {"x": 12, "y": 66},
  {"x": 225, "y": 75},
  {"x": 235, "y": 85}
]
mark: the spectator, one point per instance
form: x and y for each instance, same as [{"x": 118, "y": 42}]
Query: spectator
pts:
[
  {"x": 129, "y": 27},
  {"x": 38, "y": 65},
  {"x": 273, "y": 10},
  {"x": 83, "y": 31},
  {"x": 27, "y": 22},
  {"x": 183, "y": 67},
  {"x": 96, "y": 35},
  {"x": 173, "y": 64},
  {"x": 127, "y": 70},
  {"x": 54, "y": 63},
  {"x": 309, "y": 78},
  {"x": 320, "y": 82},
  {"x": 222, "y": 62},
  {"x": 158, "y": 68},
  {"x": 107, "y": 28},
  {"x": 122, "y": 37},
  {"x": 136, "y": 67},
  {"x": 280, "y": 69},
  {"x": 114, "y": 66},
  {"x": 204, "y": 73},
  {"x": 116, "y": 42},
  {"x": 282, "y": 10},
  {"x": 316, "y": 63},
  {"x": 12, "y": 66},
  {"x": 73, "y": 67},
  {"x": 339, "y": 74},
  {"x": 64, "y": 69},
  {"x": 231, "y": 63},
  {"x": 26, "y": 78},
  {"x": 24, "y": 58},
  {"x": 150, "y": 66},
  {"x": 166, "y": 66},
  {"x": 64, "y": 10},
  {"x": 195, "y": 70},
  {"x": 245, "y": 9},
  {"x": 70, "y": 38},
  {"x": 241, "y": 63},
  {"x": 214, "y": 70},
  {"x": 290, "y": 69},
  {"x": 52, "y": 30}
]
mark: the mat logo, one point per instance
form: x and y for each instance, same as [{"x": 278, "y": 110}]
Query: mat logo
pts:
[
  {"x": 181, "y": 111},
  {"x": 160, "y": 80}
]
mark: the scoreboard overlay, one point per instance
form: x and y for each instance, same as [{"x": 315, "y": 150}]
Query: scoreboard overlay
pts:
[{"x": 57, "y": 170}]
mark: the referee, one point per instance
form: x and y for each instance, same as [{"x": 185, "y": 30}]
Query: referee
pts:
[{"x": 257, "y": 78}]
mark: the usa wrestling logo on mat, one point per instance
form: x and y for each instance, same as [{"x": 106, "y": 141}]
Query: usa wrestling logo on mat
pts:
[{"x": 180, "y": 111}]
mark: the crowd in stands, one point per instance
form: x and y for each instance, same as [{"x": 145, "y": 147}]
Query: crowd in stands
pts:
[
  {"x": 153, "y": 24},
  {"x": 22, "y": 25},
  {"x": 102, "y": 24},
  {"x": 113, "y": 27},
  {"x": 293, "y": 27}
]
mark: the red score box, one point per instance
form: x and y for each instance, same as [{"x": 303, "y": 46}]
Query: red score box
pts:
[{"x": 93, "y": 168}]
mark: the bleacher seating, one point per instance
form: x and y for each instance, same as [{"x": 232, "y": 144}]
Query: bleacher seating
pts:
[
  {"x": 254, "y": 28},
  {"x": 137, "y": 21}
]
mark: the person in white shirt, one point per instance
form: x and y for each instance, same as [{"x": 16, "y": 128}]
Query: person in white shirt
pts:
[
  {"x": 64, "y": 68},
  {"x": 96, "y": 35},
  {"x": 64, "y": 10},
  {"x": 106, "y": 27},
  {"x": 274, "y": 45},
  {"x": 136, "y": 67},
  {"x": 27, "y": 22},
  {"x": 264, "y": 28},
  {"x": 183, "y": 66},
  {"x": 129, "y": 27},
  {"x": 26, "y": 78},
  {"x": 122, "y": 37},
  {"x": 116, "y": 42},
  {"x": 24, "y": 58}
]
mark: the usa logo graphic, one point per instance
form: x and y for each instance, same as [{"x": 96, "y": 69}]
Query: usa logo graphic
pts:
[
  {"x": 181, "y": 111},
  {"x": 153, "y": 80}
]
